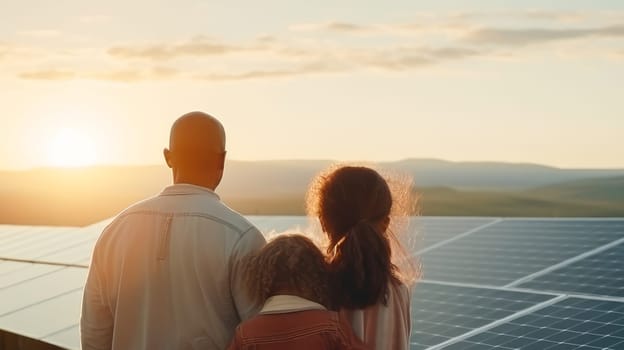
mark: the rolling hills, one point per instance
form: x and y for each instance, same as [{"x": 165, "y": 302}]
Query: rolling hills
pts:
[{"x": 82, "y": 196}]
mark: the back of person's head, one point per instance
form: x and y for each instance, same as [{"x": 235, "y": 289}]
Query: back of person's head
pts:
[
  {"x": 196, "y": 152},
  {"x": 353, "y": 205},
  {"x": 289, "y": 264}
]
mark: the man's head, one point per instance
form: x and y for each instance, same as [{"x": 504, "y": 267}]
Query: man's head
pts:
[{"x": 196, "y": 152}]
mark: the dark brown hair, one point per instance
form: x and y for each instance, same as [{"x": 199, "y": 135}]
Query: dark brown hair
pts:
[
  {"x": 289, "y": 264},
  {"x": 353, "y": 204}
]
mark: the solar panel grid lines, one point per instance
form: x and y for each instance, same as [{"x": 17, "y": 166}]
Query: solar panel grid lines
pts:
[
  {"x": 8, "y": 232},
  {"x": 27, "y": 272},
  {"x": 441, "y": 312},
  {"x": 43, "y": 262},
  {"x": 432, "y": 230},
  {"x": 608, "y": 246},
  {"x": 600, "y": 273},
  {"x": 32, "y": 234},
  {"x": 43, "y": 241},
  {"x": 31, "y": 291},
  {"x": 573, "y": 323},
  {"x": 47, "y": 316},
  {"x": 456, "y": 237},
  {"x": 496, "y": 322},
  {"x": 453, "y": 302},
  {"x": 505, "y": 252},
  {"x": 66, "y": 338}
]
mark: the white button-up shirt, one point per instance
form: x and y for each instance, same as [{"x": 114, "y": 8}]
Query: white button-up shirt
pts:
[{"x": 167, "y": 274}]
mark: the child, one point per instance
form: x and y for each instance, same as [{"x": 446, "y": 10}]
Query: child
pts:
[{"x": 289, "y": 275}]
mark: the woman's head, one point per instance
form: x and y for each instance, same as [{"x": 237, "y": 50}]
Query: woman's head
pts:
[
  {"x": 353, "y": 205},
  {"x": 361, "y": 213},
  {"x": 289, "y": 264},
  {"x": 349, "y": 196}
]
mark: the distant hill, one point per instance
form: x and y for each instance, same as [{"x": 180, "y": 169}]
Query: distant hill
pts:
[
  {"x": 493, "y": 175},
  {"x": 602, "y": 190},
  {"x": 83, "y": 196}
]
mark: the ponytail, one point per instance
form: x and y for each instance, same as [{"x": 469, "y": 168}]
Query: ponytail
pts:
[{"x": 361, "y": 268}]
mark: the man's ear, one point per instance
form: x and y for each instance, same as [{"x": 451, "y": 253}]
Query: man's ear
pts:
[
  {"x": 167, "y": 155},
  {"x": 221, "y": 164}
]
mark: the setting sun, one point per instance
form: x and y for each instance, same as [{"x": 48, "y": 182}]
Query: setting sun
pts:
[{"x": 71, "y": 148}]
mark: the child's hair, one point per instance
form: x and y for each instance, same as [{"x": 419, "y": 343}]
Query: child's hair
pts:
[
  {"x": 354, "y": 206},
  {"x": 289, "y": 264}
]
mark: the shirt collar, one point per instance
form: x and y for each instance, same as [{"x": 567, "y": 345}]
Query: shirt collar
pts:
[
  {"x": 278, "y": 304},
  {"x": 184, "y": 189}
]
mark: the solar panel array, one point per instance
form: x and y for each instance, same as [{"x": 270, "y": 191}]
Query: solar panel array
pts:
[{"x": 489, "y": 283}]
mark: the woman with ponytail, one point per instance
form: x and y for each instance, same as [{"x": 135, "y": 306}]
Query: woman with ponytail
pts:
[{"x": 360, "y": 214}]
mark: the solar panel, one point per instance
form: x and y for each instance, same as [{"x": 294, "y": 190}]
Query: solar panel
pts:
[
  {"x": 511, "y": 249},
  {"x": 46, "y": 317},
  {"x": 24, "y": 272},
  {"x": 599, "y": 274},
  {"x": 488, "y": 281},
  {"x": 441, "y": 312},
  {"x": 68, "y": 338},
  {"x": 433, "y": 230},
  {"x": 35, "y": 290},
  {"x": 573, "y": 323},
  {"x": 37, "y": 236}
]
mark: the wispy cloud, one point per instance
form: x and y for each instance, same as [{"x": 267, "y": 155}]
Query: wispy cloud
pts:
[
  {"x": 48, "y": 74},
  {"x": 514, "y": 37},
  {"x": 532, "y": 15},
  {"x": 401, "y": 46},
  {"x": 335, "y": 26},
  {"x": 115, "y": 75},
  {"x": 198, "y": 46},
  {"x": 310, "y": 68}
]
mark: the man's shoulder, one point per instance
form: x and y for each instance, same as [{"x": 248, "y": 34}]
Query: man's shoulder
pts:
[{"x": 229, "y": 217}]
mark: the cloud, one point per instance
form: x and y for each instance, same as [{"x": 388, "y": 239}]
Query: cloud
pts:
[
  {"x": 306, "y": 61},
  {"x": 512, "y": 37},
  {"x": 317, "y": 67},
  {"x": 199, "y": 46},
  {"x": 114, "y": 75},
  {"x": 401, "y": 46},
  {"x": 534, "y": 15},
  {"x": 334, "y": 26},
  {"x": 49, "y": 74}
]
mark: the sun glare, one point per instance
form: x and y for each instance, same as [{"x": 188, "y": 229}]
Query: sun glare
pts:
[{"x": 71, "y": 148}]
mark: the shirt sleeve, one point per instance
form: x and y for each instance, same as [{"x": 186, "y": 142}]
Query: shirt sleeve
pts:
[
  {"x": 96, "y": 320},
  {"x": 251, "y": 242}
]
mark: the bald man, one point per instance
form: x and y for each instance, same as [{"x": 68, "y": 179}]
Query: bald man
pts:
[{"x": 166, "y": 273}]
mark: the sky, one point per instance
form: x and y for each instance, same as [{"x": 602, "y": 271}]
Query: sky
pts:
[{"x": 85, "y": 82}]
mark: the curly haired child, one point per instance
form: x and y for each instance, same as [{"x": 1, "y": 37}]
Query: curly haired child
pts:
[{"x": 290, "y": 276}]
